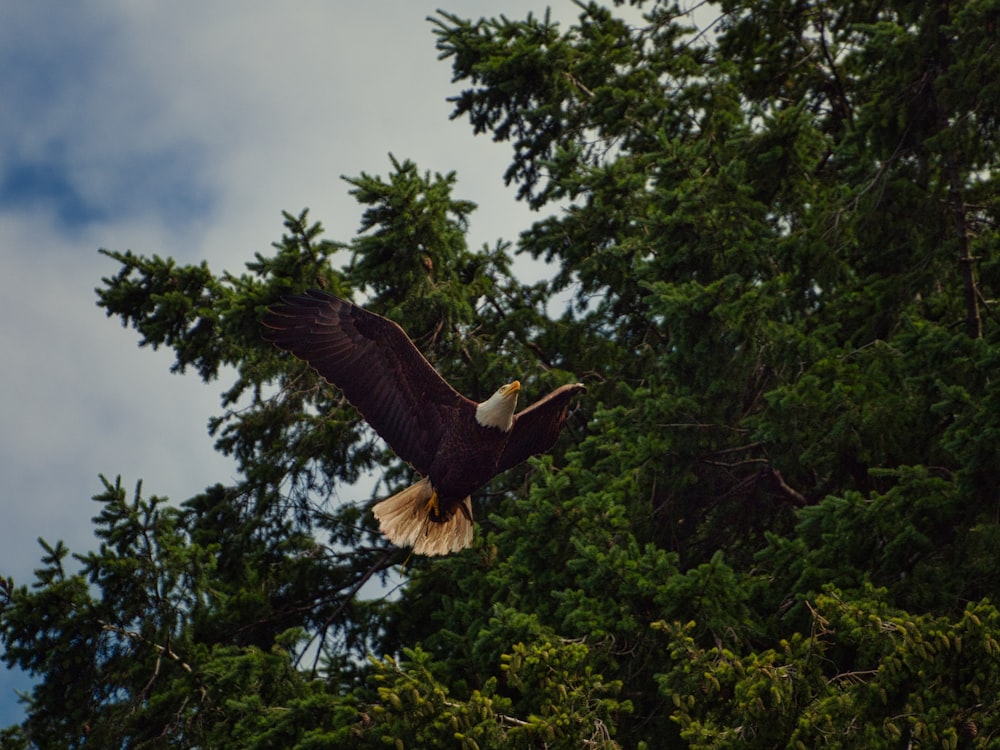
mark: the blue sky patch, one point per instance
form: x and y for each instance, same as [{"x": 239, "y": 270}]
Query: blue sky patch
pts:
[
  {"x": 40, "y": 186},
  {"x": 165, "y": 184}
]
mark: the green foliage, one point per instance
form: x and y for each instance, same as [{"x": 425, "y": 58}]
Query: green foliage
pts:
[
  {"x": 771, "y": 522},
  {"x": 864, "y": 675},
  {"x": 565, "y": 704}
]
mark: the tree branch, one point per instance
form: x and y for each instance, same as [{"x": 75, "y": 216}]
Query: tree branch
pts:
[{"x": 139, "y": 638}]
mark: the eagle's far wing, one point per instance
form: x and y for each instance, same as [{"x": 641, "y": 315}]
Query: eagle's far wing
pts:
[
  {"x": 536, "y": 428},
  {"x": 376, "y": 366}
]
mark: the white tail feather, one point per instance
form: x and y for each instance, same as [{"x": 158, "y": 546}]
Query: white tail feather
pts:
[{"x": 405, "y": 521}]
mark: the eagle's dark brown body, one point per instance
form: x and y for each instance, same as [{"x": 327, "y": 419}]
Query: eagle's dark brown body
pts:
[
  {"x": 467, "y": 459},
  {"x": 422, "y": 418}
]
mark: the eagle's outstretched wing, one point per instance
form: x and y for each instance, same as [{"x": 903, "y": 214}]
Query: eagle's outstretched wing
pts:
[
  {"x": 536, "y": 428},
  {"x": 376, "y": 366}
]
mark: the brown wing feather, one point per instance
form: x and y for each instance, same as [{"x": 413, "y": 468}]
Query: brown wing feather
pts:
[
  {"x": 536, "y": 428},
  {"x": 375, "y": 364}
]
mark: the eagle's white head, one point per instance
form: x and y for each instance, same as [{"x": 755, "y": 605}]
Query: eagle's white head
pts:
[{"x": 498, "y": 410}]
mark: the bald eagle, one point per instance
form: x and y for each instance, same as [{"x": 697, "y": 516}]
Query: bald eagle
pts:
[{"x": 455, "y": 444}]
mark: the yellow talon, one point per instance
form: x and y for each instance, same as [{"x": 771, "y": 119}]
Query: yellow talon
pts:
[{"x": 432, "y": 505}]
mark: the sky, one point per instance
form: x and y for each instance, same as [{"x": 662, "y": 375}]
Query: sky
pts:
[{"x": 183, "y": 129}]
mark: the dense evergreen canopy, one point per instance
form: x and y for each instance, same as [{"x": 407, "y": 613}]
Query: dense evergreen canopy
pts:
[{"x": 776, "y": 519}]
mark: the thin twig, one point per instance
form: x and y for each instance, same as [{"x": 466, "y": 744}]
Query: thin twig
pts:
[{"x": 139, "y": 638}]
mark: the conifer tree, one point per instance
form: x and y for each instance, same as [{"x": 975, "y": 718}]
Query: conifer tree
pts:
[{"x": 772, "y": 522}]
